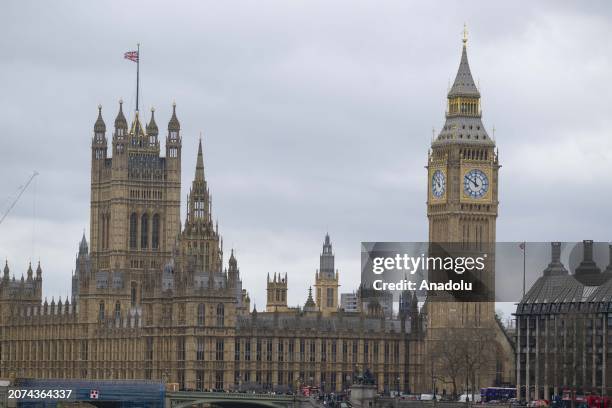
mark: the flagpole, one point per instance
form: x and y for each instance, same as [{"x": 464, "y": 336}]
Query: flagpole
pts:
[
  {"x": 137, "y": 73},
  {"x": 524, "y": 252}
]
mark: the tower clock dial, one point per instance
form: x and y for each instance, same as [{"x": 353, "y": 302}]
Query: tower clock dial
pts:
[
  {"x": 475, "y": 183},
  {"x": 438, "y": 184}
]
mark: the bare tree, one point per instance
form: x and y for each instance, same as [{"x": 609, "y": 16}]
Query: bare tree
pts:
[{"x": 463, "y": 355}]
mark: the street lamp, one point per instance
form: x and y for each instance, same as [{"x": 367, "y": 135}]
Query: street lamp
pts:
[{"x": 398, "y": 386}]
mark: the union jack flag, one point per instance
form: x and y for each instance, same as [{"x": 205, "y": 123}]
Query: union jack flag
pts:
[{"x": 131, "y": 55}]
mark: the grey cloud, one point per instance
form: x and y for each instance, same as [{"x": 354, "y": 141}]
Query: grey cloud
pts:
[{"x": 315, "y": 116}]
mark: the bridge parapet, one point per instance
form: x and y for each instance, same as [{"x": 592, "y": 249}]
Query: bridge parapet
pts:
[{"x": 185, "y": 399}]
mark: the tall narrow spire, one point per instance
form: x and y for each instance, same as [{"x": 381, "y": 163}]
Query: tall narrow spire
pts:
[
  {"x": 199, "y": 175},
  {"x": 464, "y": 84}
]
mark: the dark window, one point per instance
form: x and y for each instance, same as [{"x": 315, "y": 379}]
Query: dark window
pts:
[
  {"x": 180, "y": 349},
  {"x": 155, "y": 232},
  {"x": 117, "y": 310},
  {"x": 144, "y": 231},
  {"x": 200, "y": 349},
  {"x": 133, "y": 227},
  {"x": 201, "y": 311},
  {"x": 101, "y": 311},
  {"x": 219, "y": 350},
  {"x": 133, "y": 293},
  {"x": 258, "y": 350},
  {"x": 269, "y": 350},
  {"x": 247, "y": 349},
  {"x": 220, "y": 315},
  {"x": 330, "y": 297}
]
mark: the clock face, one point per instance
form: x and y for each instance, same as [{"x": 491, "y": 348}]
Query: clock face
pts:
[
  {"x": 475, "y": 183},
  {"x": 438, "y": 184}
]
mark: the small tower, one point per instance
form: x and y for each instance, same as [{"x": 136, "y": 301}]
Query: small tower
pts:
[
  {"x": 310, "y": 305},
  {"x": 173, "y": 174},
  {"x": 326, "y": 280},
  {"x": 6, "y": 272},
  {"x": 120, "y": 137},
  {"x": 173, "y": 146},
  {"x": 99, "y": 145},
  {"x": 277, "y": 293}
]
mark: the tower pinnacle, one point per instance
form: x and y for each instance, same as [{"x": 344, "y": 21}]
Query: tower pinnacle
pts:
[{"x": 199, "y": 176}]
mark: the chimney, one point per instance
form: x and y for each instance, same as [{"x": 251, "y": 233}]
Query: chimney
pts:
[
  {"x": 609, "y": 268},
  {"x": 555, "y": 252},
  {"x": 588, "y": 266},
  {"x": 587, "y": 246},
  {"x": 555, "y": 267}
]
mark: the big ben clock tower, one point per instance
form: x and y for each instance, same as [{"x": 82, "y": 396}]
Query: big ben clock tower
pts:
[
  {"x": 462, "y": 204},
  {"x": 462, "y": 189}
]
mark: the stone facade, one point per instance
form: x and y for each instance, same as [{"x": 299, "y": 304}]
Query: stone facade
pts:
[{"x": 564, "y": 330}]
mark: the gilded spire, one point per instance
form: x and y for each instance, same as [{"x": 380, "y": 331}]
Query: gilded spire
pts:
[
  {"x": 137, "y": 129},
  {"x": 120, "y": 121},
  {"x": 152, "y": 129},
  {"x": 174, "y": 124},
  {"x": 99, "y": 126},
  {"x": 464, "y": 84}
]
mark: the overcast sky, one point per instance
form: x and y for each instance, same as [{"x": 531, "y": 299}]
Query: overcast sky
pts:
[{"x": 316, "y": 116}]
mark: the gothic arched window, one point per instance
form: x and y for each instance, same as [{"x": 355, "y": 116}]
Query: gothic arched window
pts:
[
  {"x": 101, "y": 311},
  {"x": 117, "y": 310},
  {"x": 144, "y": 231},
  {"x": 133, "y": 227},
  {"x": 155, "y": 232},
  {"x": 201, "y": 314},
  {"x": 133, "y": 293},
  {"x": 220, "y": 315}
]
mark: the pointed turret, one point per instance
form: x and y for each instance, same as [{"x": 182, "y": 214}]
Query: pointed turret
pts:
[
  {"x": 120, "y": 121},
  {"x": 6, "y": 273},
  {"x": 98, "y": 145},
  {"x": 99, "y": 126},
  {"x": 326, "y": 260},
  {"x": 310, "y": 305},
  {"x": 30, "y": 274},
  {"x": 463, "y": 113},
  {"x": 152, "y": 129},
  {"x": 38, "y": 272},
  {"x": 233, "y": 263},
  {"x": 83, "y": 247},
  {"x": 198, "y": 200},
  {"x": 173, "y": 124}
]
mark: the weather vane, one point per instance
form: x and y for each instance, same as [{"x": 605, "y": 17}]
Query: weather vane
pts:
[{"x": 465, "y": 33}]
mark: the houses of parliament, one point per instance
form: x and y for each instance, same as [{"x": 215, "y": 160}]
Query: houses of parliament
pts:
[{"x": 153, "y": 297}]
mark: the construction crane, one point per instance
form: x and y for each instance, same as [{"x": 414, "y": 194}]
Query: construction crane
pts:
[{"x": 21, "y": 191}]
